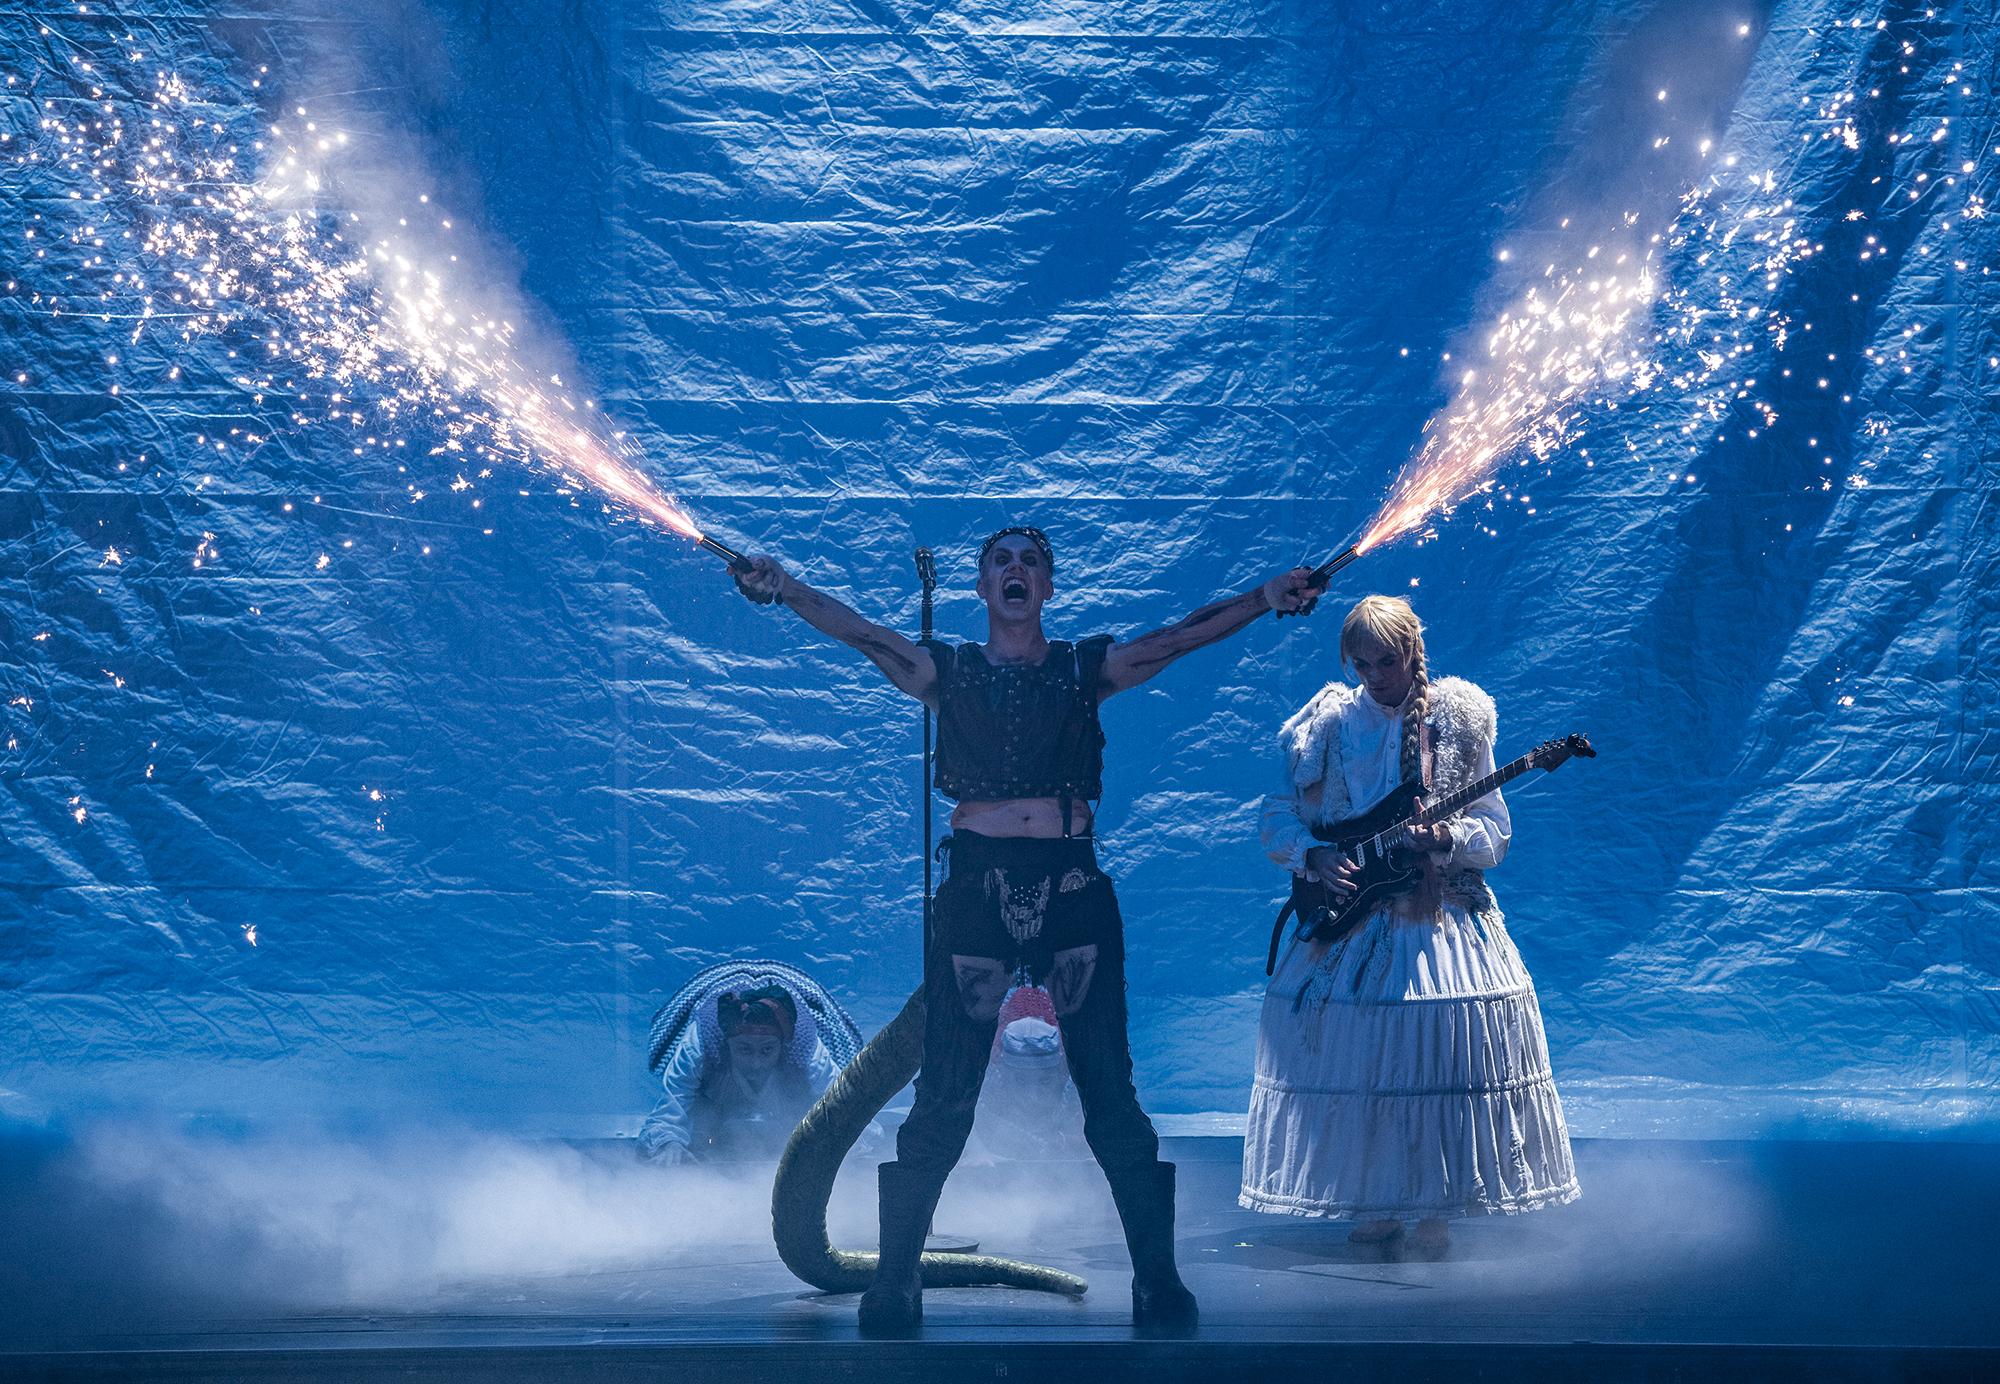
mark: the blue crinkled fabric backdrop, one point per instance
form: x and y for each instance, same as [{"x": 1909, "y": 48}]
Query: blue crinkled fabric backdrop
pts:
[{"x": 860, "y": 276}]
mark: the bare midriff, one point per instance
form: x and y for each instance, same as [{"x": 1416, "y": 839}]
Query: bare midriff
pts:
[{"x": 1031, "y": 817}]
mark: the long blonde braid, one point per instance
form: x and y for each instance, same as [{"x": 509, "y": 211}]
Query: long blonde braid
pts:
[{"x": 1412, "y": 761}]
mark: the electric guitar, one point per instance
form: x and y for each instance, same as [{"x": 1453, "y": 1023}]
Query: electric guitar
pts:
[{"x": 1389, "y": 866}]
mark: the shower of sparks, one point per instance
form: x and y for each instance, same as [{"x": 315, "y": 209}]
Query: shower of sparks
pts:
[
  {"x": 1689, "y": 313},
  {"x": 197, "y": 216},
  {"x": 182, "y": 236},
  {"x": 1606, "y": 330}
]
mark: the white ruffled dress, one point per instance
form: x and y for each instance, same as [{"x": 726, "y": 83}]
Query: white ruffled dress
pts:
[{"x": 1403, "y": 1072}]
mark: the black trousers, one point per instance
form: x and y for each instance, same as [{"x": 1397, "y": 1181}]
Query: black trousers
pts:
[{"x": 1043, "y": 908}]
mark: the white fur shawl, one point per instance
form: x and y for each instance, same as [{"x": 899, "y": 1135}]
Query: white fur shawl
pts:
[{"x": 1462, "y": 719}]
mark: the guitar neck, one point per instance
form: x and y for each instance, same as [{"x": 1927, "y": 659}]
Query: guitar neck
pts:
[{"x": 1456, "y": 802}]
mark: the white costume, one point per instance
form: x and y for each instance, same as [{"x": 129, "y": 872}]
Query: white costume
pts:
[
  {"x": 1402, "y": 1072},
  {"x": 707, "y": 1108}
]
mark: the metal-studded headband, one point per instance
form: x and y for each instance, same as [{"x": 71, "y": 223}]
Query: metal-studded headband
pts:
[{"x": 1027, "y": 531}]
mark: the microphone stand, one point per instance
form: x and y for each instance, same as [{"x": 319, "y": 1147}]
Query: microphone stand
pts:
[
  {"x": 934, "y": 1242},
  {"x": 927, "y": 574}
]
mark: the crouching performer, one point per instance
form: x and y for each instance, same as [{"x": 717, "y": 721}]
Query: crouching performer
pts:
[
  {"x": 742, "y": 1051},
  {"x": 1020, "y": 749}
]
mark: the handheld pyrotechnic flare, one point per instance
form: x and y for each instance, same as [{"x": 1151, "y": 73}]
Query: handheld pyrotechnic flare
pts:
[
  {"x": 1322, "y": 574},
  {"x": 739, "y": 565}
]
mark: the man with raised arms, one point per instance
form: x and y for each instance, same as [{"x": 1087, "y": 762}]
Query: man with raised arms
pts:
[{"x": 1021, "y": 751}]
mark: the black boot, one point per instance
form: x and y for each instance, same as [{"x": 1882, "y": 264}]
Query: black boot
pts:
[
  {"x": 894, "y": 1303},
  {"x": 1161, "y": 1303}
]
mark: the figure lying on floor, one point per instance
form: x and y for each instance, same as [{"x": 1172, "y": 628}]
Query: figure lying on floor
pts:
[{"x": 741, "y": 1058}]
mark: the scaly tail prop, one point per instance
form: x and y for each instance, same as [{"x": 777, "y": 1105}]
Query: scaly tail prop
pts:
[{"x": 812, "y": 1160}]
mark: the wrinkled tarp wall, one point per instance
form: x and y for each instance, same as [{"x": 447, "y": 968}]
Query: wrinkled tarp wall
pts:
[{"x": 867, "y": 275}]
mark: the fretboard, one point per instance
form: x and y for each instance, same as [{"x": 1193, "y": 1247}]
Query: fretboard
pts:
[{"x": 1452, "y": 803}]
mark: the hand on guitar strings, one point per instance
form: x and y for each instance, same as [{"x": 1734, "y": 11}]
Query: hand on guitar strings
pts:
[{"x": 1334, "y": 870}]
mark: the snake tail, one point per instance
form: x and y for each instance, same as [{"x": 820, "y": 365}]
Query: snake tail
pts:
[{"x": 812, "y": 1159}]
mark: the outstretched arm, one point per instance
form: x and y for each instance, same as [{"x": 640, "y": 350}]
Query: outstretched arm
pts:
[
  {"x": 1128, "y": 665},
  {"x": 902, "y": 662},
  {"x": 668, "y": 1133}
]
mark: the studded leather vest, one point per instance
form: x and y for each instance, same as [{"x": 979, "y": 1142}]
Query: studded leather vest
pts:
[{"x": 1014, "y": 731}]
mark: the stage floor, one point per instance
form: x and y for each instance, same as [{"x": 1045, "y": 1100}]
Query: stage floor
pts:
[{"x": 1681, "y": 1260}]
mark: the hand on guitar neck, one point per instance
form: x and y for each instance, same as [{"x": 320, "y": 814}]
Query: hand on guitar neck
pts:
[{"x": 1430, "y": 836}]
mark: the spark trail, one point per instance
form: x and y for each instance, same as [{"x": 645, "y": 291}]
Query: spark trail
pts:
[
  {"x": 192, "y": 213},
  {"x": 1692, "y": 314},
  {"x": 1590, "y": 337}
]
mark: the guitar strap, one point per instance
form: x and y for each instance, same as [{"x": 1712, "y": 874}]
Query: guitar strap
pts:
[{"x": 1285, "y": 915}]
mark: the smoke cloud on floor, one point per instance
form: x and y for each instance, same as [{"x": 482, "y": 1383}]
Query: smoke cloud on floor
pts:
[{"x": 141, "y": 1223}]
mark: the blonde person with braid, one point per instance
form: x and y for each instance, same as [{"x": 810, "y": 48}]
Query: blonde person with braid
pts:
[{"x": 1402, "y": 1072}]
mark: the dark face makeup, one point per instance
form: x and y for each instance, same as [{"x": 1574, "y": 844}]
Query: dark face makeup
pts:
[{"x": 1014, "y": 578}]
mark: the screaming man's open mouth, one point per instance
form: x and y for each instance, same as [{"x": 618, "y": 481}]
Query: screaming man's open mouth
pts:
[{"x": 1014, "y": 590}]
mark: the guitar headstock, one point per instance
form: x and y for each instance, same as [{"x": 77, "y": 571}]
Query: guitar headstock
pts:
[{"x": 1553, "y": 754}]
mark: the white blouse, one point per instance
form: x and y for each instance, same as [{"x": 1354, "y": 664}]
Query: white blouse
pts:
[{"x": 1371, "y": 749}]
